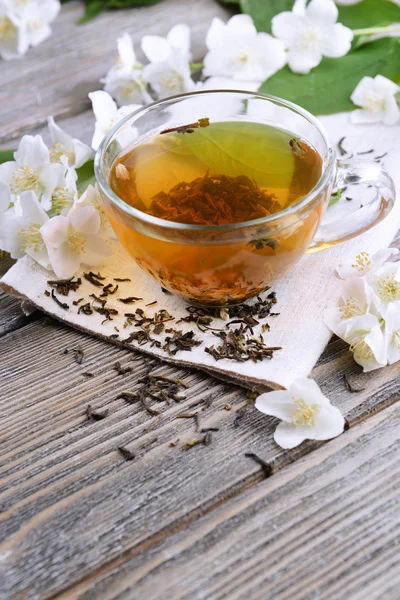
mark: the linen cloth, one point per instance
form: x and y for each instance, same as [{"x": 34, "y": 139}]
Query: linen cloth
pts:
[{"x": 303, "y": 295}]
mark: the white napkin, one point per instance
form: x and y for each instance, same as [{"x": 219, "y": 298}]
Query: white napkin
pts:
[{"x": 303, "y": 295}]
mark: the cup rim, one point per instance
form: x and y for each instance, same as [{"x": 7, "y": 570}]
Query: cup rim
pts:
[{"x": 163, "y": 223}]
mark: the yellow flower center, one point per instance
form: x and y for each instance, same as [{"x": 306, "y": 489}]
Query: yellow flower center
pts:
[
  {"x": 24, "y": 178},
  {"x": 305, "y": 413},
  {"x": 31, "y": 238},
  {"x": 374, "y": 102},
  {"x": 34, "y": 24},
  {"x": 352, "y": 308},
  {"x": 243, "y": 58},
  {"x": 363, "y": 262},
  {"x": 173, "y": 80},
  {"x": 7, "y": 29},
  {"x": 76, "y": 241},
  {"x": 57, "y": 150},
  {"x": 360, "y": 348},
  {"x": 129, "y": 87},
  {"x": 396, "y": 338},
  {"x": 61, "y": 198},
  {"x": 388, "y": 288}
]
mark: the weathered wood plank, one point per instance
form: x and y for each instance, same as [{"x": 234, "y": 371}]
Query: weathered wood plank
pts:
[
  {"x": 11, "y": 315},
  {"x": 81, "y": 55},
  {"x": 327, "y": 527},
  {"x": 61, "y": 474}
]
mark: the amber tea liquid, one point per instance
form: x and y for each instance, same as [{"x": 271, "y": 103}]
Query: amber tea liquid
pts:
[{"x": 217, "y": 174}]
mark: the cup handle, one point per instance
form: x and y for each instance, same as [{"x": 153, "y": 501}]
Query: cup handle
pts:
[{"x": 356, "y": 172}]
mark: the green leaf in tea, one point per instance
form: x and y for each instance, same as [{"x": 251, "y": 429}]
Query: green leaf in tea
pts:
[{"x": 327, "y": 89}]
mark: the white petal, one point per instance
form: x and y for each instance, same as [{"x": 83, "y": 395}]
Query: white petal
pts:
[
  {"x": 324, "y": 11},
  {"x": 363, "y": 88},
  {"x": 224, "y": 83},
  {"x": 5, "y": 196},
  {"x": 278, "y": 404},
  {"x": 31, "y": 208},
  {"x": 32, "y": 152},
  {"x": 55, "y": 231},
  {"x": 104, "y": 107},
  {"x": 155, "y": 48},
  {"x": 49, "y": 9},
  {"x": 6, "y": 171},
  {"x": 289, "y": 436},
  {"x": 86, "y": 220},
  {"x": 218, "y": 63},
  {"x": 98, "y": 135},
  {"x": 303, "y": 60},
  {"x": 386, "y": 85},
  {"x": 126, "y": 52},
  {"x": 51, "y": 176},
  {"x": 299, "y": 7},
  {"x": 82, "y": 153},
  {"x": 58, "y": 135},
  {"x": 240, "y": 26},
  {"x": 286, "y": 26},
  {"x": 309, "y": 391},
  {"x": 179, "y": 38},
  {"x": 64, "y": 261},
  {"x": 215, "y": 34},
  {"x": 329, "y": 423},
  {"x": 339, "y": 41},
  {"x": 382, "y": 256},
  {"x": 392, "y": 335},
  {"x": 392, "y": 111}
]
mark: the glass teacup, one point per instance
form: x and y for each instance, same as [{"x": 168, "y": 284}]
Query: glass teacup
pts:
[{"x": 219, "y": 265}]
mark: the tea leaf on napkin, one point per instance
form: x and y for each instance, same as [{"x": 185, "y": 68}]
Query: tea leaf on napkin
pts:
[{"x": 327, "y": 89}]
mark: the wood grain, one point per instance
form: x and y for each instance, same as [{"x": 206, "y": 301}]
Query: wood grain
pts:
[
  {"x": 77, "y": 521},
  {"x": 327, "y": 527},
  {"x": 61, "y": 474},
  {"x": 81, "y": 55}
]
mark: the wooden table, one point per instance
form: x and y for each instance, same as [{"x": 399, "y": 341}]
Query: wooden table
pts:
[{"x": 77, "y": 521}]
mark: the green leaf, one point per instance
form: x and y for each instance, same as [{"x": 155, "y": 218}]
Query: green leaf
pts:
[
  {"x": 327, "y": 89},
  {"x": 95, "y": 7},
  {"x": 262, "y": 11},
  {"x": 85, "y": 176},
  {"x": 6, "y": 155},
  {"x": 369, "y": 13}
]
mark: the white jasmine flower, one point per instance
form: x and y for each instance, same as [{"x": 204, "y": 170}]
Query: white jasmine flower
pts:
[
  {"x": 355, "y": 302},
  {"x": 124, "y": 81},
  {"x": 64, "y": 195},
  {"x": 367, "y": 342},
  {"x": 157, "y": 48},
  {"x": 13, "y": 39},
  {"x": 304, "y": 411},
  {"x": 364, "y": 263},
  {"x": 376, "y": 96},
  {"x": 392, "y": 326},
  {"x": 37, "y": 16},
  {"x": 385, "y": 283},
  {"x": 20, "y": 229},
  {"x": 91, "y": 197},
  {"x": 32, "y": 170},
  {"x": 107, "y": 115},
  {"x": 77, "y": 152},
  {"x": 170, "y": 77},
  {"x": 310, "y": 33},
  {"x": 73, "y": 240},
  {"x": 237, "y": 51}
]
